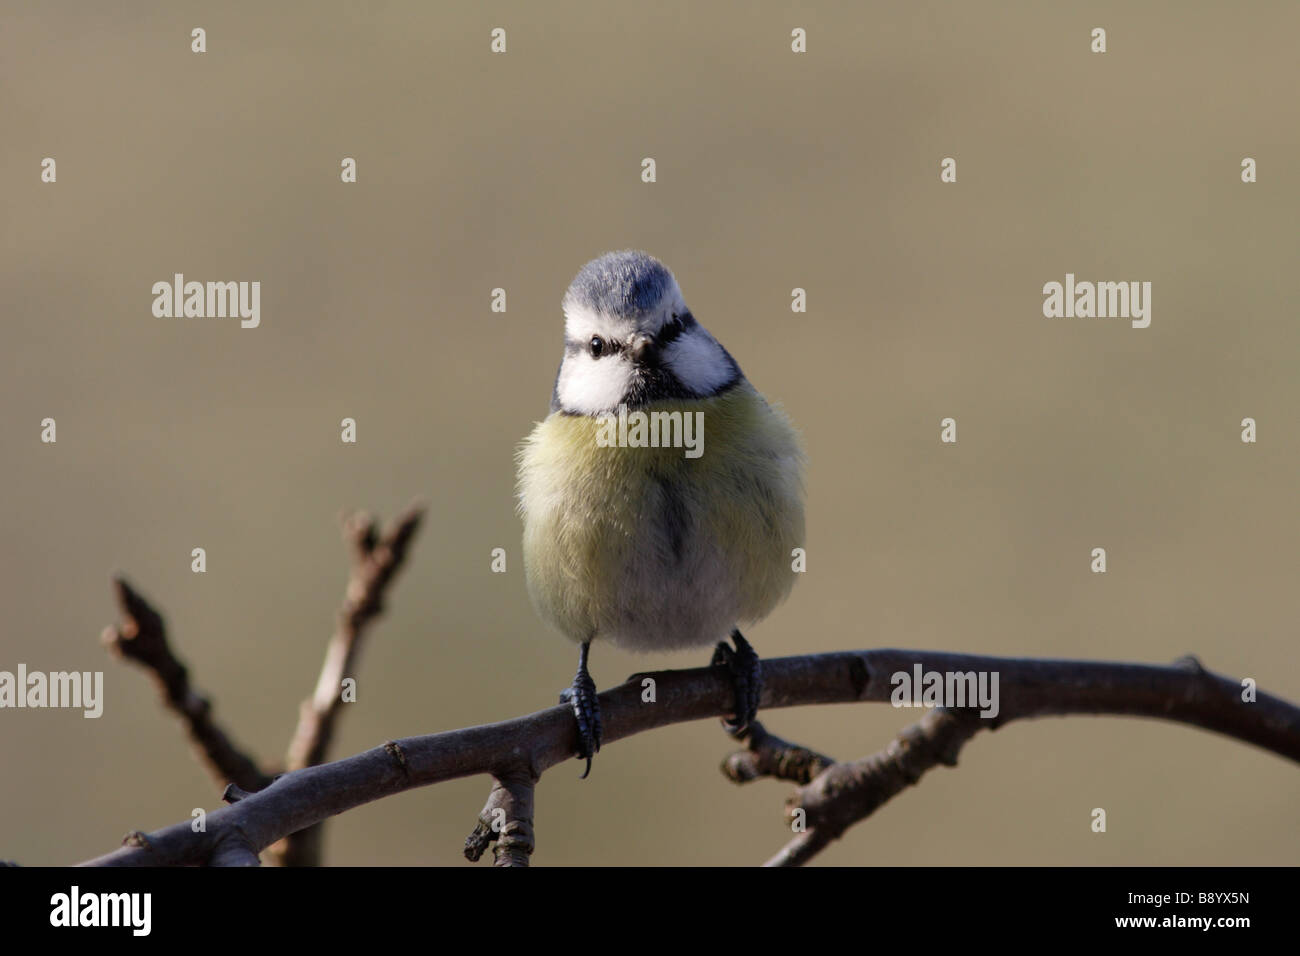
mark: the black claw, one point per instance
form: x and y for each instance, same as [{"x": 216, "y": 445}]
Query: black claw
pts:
[
  {"x": 746, "y": 672},
  {"x": 586, "y": 709}
]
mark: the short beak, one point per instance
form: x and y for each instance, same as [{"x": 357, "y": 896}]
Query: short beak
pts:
[{"x": 642, "y": 349}]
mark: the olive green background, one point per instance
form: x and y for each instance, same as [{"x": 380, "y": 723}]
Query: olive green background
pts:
[{"x": 775, "y": 170}]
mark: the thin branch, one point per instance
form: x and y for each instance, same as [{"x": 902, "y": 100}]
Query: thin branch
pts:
[
  {"x": 142, "y": 639},
  {"x": 506, "y": 821},
  {"x": 843, "y": 794},
  {"x": 767, "y": 755},
  {"x": 376, "y": 559},
  {"x": 234, "y": 850},
  {"x": 530, "y": 745}
]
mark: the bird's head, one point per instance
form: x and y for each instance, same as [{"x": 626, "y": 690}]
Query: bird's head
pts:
[{"x": 630, "y": 339}]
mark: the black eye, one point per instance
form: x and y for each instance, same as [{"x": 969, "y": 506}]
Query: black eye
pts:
[{"x": 597, "y": 346}]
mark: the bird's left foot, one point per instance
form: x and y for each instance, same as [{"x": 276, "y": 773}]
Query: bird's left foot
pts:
[
  {"x": 581, "y": 696},
  {"x": 746, "y": 672}
]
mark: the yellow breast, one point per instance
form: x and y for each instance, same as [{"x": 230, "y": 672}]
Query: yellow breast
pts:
[{"x": 652, "y": 548}]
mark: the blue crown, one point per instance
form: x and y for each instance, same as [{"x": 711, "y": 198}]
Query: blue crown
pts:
[{"x": 620, "y": 283}]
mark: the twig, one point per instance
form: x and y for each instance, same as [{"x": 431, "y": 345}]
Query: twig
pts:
[
  {"x": 842, "y": 794},
  {"x": 1029, "y": 688},
  {"x": 767, "y": 755},
  {"x": 376, "y": 559},
  {"x": 506, "y": 821},
  {"x": 142, "y": 639}
]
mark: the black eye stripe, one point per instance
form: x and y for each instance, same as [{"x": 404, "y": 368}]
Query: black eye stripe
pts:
[
  {"x": 669, "y": 332},
  {"x": 599, "y": 346},
  {"x": 674, "y": 327},
  {"x": 572, "y": 347}
]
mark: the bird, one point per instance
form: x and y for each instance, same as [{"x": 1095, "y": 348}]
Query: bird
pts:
[{"x": 655, "y": 545}]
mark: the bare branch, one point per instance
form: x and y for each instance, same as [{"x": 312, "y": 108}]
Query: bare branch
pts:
[
  {"x": 142, "y": 639},
  {"x": 847, "y": 793},
  {"x": 506, "y": 820},
  {"x": 844, "y": 793},
  {"x": 376, "y": 559},
  {"x": 767, "y": 755},
  {"x": 1028, "y": 688},
  {"x": 234, "y": 850}
]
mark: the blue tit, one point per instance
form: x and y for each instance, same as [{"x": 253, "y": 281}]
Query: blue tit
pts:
[{"x": 662, "y": 497}]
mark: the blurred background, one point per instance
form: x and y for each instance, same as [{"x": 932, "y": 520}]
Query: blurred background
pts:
[{"x": 775, "y": 171}]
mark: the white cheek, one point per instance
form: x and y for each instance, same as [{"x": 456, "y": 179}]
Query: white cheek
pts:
[
  {"x": 699, "y": 362},
  {"x": 590, "y": 386}
]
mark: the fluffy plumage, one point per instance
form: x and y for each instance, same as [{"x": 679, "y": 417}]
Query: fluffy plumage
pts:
[
  {"x": 644, "y": 546},
  {"x": 650, "y": 549}
]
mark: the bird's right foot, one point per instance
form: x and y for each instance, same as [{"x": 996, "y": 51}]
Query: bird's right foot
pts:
[
  {"x": 746, "y": 673},
  {"x": 581, "y": 695}
]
